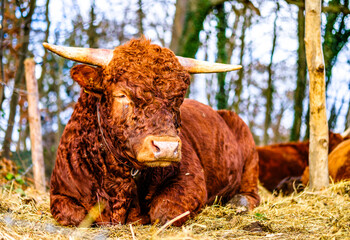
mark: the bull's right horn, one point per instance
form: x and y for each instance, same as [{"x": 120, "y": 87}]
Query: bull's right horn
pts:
[
  {"x": 97, "y": 57},
  {"x": 197, "y": 66}
]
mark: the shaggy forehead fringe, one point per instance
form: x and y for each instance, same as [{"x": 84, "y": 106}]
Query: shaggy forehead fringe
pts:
[{"x": 143, "y": 62}]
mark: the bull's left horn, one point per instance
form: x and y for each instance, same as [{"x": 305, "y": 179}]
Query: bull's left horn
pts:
[
  {"x": 197, "y": 66},
  {"x": 97, "y": 57}
]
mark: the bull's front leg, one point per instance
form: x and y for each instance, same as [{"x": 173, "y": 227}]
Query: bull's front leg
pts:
[
  {"x": 186, "y": 193},
  {"x": 128, "y": 211},
  {"x": 69, "y": 212},
  {"x": 121, "y": 198},
  {"x": 66, "y": 210},
  {"x": 134, "y": 214}
]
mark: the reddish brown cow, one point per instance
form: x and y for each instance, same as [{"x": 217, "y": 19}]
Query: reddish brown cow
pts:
[
  {"x": 280, "y": 161},
  {"x": 338, "y": 164},
  {"x": 123, "y": 148}
]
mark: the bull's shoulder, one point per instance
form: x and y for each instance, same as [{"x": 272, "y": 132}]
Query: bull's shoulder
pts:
[
  {"x": 207, "y": 123},
  {"x": 239, "y": 128},
  {"x": 200, "y": 111},
  {"x": 193, "y": 106},
  {"x": 199, "y": 116}
]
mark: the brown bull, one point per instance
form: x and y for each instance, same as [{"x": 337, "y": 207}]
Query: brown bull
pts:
[
  {"x": 135, "y": 147},
  {"x": 280, "y": 161}
]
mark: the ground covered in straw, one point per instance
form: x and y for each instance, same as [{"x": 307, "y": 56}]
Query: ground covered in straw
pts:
[{"x": 322, "y": 215}]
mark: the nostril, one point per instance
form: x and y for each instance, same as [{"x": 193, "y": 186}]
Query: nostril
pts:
[
  {"x": 176, "y": 150},
  {"x": 157, "y": 149}
]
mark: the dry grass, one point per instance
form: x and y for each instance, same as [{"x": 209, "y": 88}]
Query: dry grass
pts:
[{"x": 308, "y": 215}]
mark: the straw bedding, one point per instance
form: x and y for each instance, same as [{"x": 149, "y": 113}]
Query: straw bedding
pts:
[{"x": 307, "y": 215}]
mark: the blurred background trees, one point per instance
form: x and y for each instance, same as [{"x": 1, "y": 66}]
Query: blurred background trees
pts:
[{"x": 265, "y": 37}]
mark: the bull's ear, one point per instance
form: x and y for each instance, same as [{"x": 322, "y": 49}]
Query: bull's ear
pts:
[{"x": 88, "y": 77}]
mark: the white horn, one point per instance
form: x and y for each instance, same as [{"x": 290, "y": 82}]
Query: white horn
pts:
[
  {"x": 197, "y": 66},
  {"x": 97, "y": 57}
]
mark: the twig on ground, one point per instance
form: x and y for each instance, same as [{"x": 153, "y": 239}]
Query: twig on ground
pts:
[
  {"x": 132, "y": 232},
  {"x": 171, "y": 222}
]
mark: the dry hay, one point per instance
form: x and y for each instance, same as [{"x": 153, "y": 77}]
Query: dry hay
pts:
[{"x": 308, "y": 215}]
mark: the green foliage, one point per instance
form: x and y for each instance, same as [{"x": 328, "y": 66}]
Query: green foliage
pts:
[
  {"x": 16, "y": 183},
  {"x": 9, "y": 176},
  {"x": 260, "y": 216},
  {"x": 17, "y": 177}
]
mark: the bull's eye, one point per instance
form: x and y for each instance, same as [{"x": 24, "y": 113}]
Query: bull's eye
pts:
[
  {"x": 121, "y": 105},
  {"x": 120, "y": 96}
]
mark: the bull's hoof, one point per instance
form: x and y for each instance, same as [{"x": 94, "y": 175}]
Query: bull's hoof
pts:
[
  {"x": 288, "y": 186},
  {"x": 240, "y": 203}
]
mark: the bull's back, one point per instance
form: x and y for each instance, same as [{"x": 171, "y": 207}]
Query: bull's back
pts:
[{"x": 220, "y": 148}]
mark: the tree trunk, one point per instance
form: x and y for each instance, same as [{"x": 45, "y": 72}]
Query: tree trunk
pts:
[
  {"x": 221, "y": 95},
  {"x": 47, "y": 33},
  {"x": 307, "y": 122},
  {"x": 270, "y": 86},
  {"x": 18, "y": 79},
  {"x": 35, "y": 126},
  {"x": 188, "y": 22},
  {"x": 318, "y": 154},
  {"x": 187, "y": 25},
  {"x": 178, "y": 24},
  {"x": 2, "y": 94},
  {"x": 299, "y": 93},
  {"x": 347, "y": 118},
  {"x": 59, "y": 101},
  {"x": 334, "y": 114},
  {"x": 140, "y": 17},
  {"x": 239, "y": 82},
  {"x": 20, "y": 136},
  {"x": 2, "y": 74},
  {"x": 276, "y": 129},
  {"x": 91, "y": 32},
  {"x": 336, "y": 35}
]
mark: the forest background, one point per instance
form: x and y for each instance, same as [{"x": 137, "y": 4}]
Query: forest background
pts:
[{"x": 266, "y": 37}]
